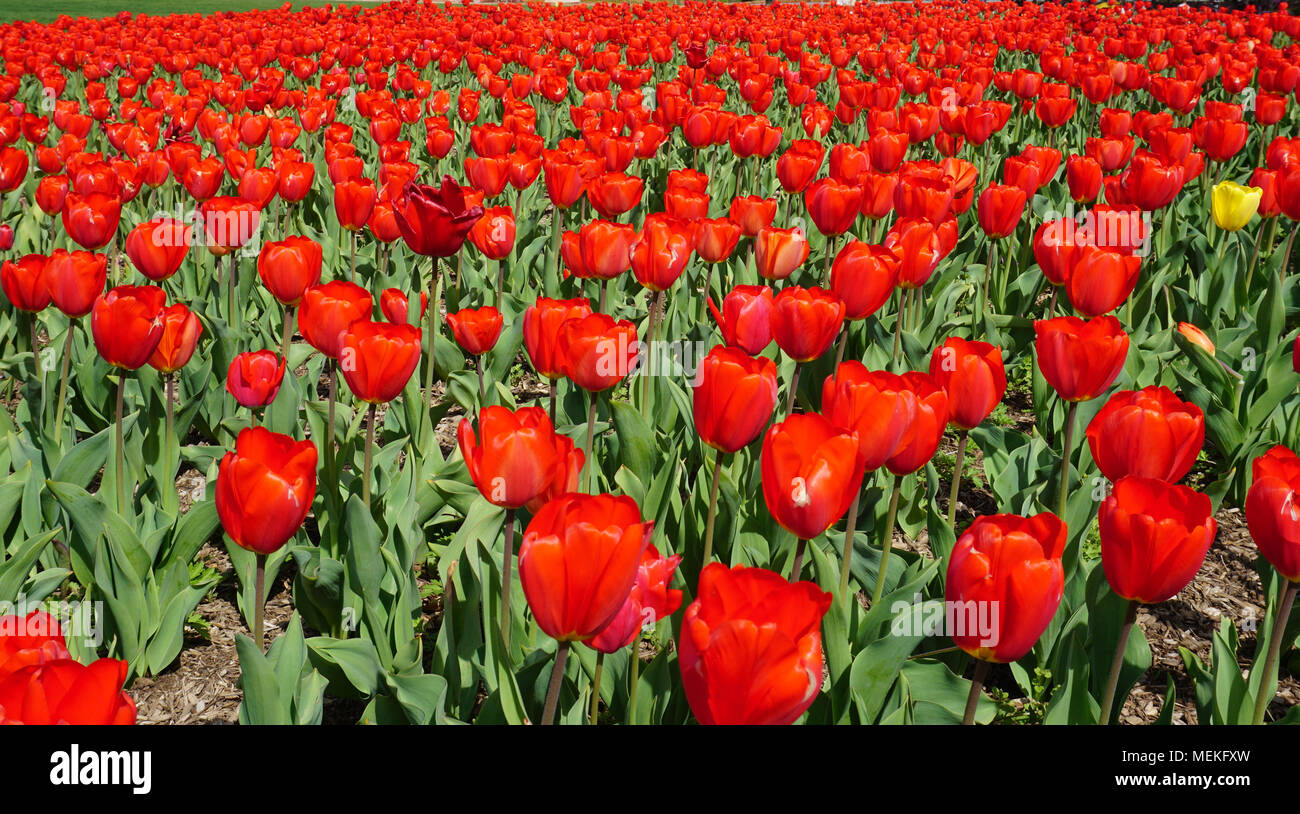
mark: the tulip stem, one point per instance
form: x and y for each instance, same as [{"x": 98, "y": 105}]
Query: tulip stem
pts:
[
  {"x": 259, "y": 585},
  {"x": 553, "y": 688},
  {"x": 63, "y": 380},
  {"x": 634, "y": 678},
  {"x": 898, "y": 323},
  {"x": 1286, "y": 255},
  {"x": 370, "y": 447},
  {"x": 1117, "y": 662},
  {"x": 431, "y": 316},
  {"x": 118, "y": 455},
  {"x": 888, "y": 544},
  {"x": 589, "y": 465},
  {"x": 482, "y": 391},
  {"x": 839, "y": 351},
  {"x": 986, "y": 295},
  {"x": 798, "y": 560},
  {"x": 287, "y": 337},
  {"x": 846, "y": 562},
  {"x": 1268, "y": 682},
  {"x": 976, "y": 686},
  {"x": 713, "y": 510},
  {"x": 506, "y": 567},
  {"x": 794, "y": 388},
  {"x": 595, "y": 688},
  {"x": 1066, "y": 449},
  {"x": 230, "y": 288},
  {"x": 956, "y": 479},
  {"x": 353, "y": 240},
  {"x": 169, "y": 394},
  {"x": 552, "y": 400}
]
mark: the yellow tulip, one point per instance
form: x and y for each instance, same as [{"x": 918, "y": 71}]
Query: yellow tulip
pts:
[{"x": 1233, "y": 205}]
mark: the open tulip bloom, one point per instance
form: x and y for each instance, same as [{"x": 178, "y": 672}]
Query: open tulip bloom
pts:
[{"x": 362, "y": 296}]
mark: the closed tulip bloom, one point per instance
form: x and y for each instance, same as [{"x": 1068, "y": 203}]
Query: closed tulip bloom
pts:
[
  {"x": 878, "y": 194},
  {"x": 1010, "y": 568},
  {"x": 295, "y": 180},
  {"x": 1154, "y": 537},
  {"x": 864, "y": 276},
  {"x": 833, "y": 206},
  {"x": 51, "y": 192},
  {"x": 254, "y": 378},
  {"x": 1000, "y": 208},
  {"x": 605, "y": 248},
  {"x": 1148, "y": 432},
  {"x": 476, "y": 329},
  {"x": 734, "y": 398},
  {"x": 1058, "y": 244},
  {"x": 751, "y": 650},
  {"x": 1083, "y": 177},
  {"x": 181, "y": 331},
  {"x": 353, "y": 201},
  {"x": 798, "y": 166},
  {"x": 746, "y": 318},
  {"x": 1151, "y": 182},
  {"x": 805, "y": 321},
  {"x": 127, "y": 325},
  {"x": 1233, "y": 205},
  {"x": 75, "y": 280},
  {"x": 327, "y": 311},
  {"x": 613, "y": 193},
  {"x": 378, "y": 358},
  {"x": 778, "y": 252},
  {"x": 926, "y": 430},
  {"x": 395, "y": 305},
  {"x": 289, "y": 267},
  {"x": 811, "y": 470},
  {"x": 596, "y": 352},
  {"x": 1221, "y": 139},
  {"x": 23, "y": 281},
  {"x": 91, "y": 220},
  {"x": 580, "y": 557},
  {"x": 1101, "y": 280},
  {"x": 541, "y": 332},
  {"x": 752, "y": 214},
  {"x": 1271, "y": 509},
  {"x": 435, "y": 221},
  {"x": 494, "y": 233},
  {"x": 662, "y": 251},
  {"x": 515, "y": 456},
  {"x": 877, "y": 405},
  {"x": 650, "y": 600},
  {"x": 716, "y": 239},
  {"x": 1080, "y": 359},
  {"x": 158, "y": 247},
  {"x": 919, "y": 248},
  {"x": 265, "y": 488},
  {"x": 973, "y": 376},
  {"x": 64, "y": 691}
]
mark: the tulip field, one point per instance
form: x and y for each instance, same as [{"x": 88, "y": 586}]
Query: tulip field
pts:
[{"x": 651, "y": 363}]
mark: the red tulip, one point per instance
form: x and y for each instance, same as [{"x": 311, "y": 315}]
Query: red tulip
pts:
[
  {"x": 1154, "y": 537},
  {"x": 127, "y": 324},
  {"x": 494, "y": 233},
  {"x": 1006, "y": 570},
  {"x": 928, "y": 424},
  {"x": 29, "y": 640},
  {"x": 716, "y": 239},
  {"x": 916, "y": 243},
  {"x": 265, "y": 488},
  {"x": 1000, "y": 210},
  {"x": 378, "y": 358},
  {"x": 435, "y": 221},
  {"x": 516, "y": 456},
  {"x": 746, "y": 318},
  {"x": 649, "y": 601},
  {"x": 805, "y": 321},
  {"x": 63, "y": 691},
  {"x": 880, "y": 407},
  {"x": 1271, "y": 511},
  {"x": 973, "y": 376},
  {"x": 475, "y": 329},
  {"x": 327, "y": 311},
  {"x": 1101, "y": 280},
  {"x": 596, "y": 352},
  {"x": 354, "y": 199},
  {"x": 24, "y": 284},
  {"x": 1080, "y": 359},
  {"x": 254, "y": 378},
  {"x": 289, "y": 267},
  {"x": 158, "y": 247},
  {"x": 181, "y": 331},
  {"x": 580, "y": 557},
  {"x": 734, "y": 398},
  {"x": 662, "y": 251},
  {"x": 778, "y": 252},
  {"x": 91, "y": 220},
  {"x": 752, "y": 214},
  {"x": 1083, "y": 176},
  {"x": 395, "y": 305},
  {"x": 751, "y": 649},
  {"x": 75, "y": 280},
  {"x": 833, "y": 206},
  {"x": 541, "y": 330},
  {"x": 864, "y": 277},
  {"x": 811, "y": 471},
  {"x": 1149, "y": 432}
]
